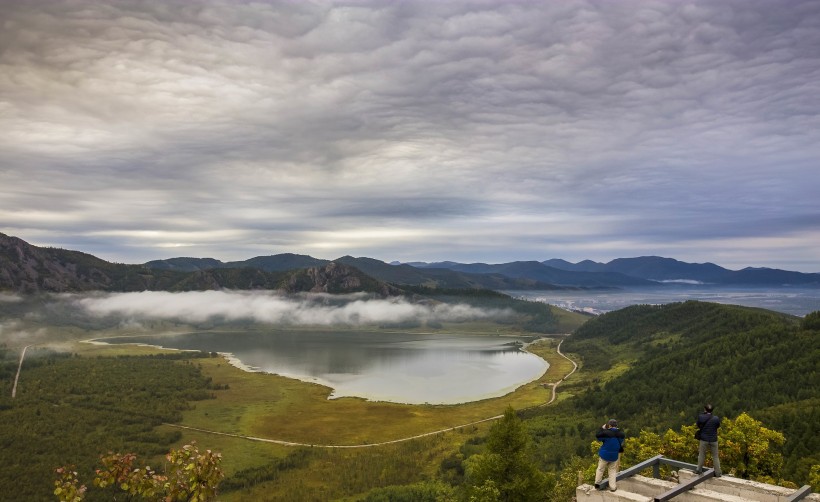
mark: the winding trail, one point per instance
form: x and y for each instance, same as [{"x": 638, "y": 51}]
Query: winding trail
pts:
[
  {"x": 394, "y": 441},
  {"x": 574, "y": 369},
  {"x": 19, "y": 368}
]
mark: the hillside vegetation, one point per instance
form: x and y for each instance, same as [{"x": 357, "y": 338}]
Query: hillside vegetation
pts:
[
  {"x": 70, "y": 410},
  {"x": 657, "y": 365},
  {"x": 651, "y": 367}
]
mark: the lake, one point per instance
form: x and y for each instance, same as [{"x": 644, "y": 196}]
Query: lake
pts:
[
  {"x": 395, "y": 367},
  {"x": 795, "y": 301}
]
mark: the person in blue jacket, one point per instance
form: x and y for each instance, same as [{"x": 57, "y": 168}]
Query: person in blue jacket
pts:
[
  {"x": 609, "y": 452},
  {"x": 708, "y": 423}
]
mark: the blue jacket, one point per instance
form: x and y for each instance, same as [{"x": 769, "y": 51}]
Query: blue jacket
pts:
[
  {"x": 708, "y": 425},
  {"x": 613, "y": 440}
]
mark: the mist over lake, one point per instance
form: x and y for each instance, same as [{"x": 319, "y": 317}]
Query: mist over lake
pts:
[
  {"x": 795, "y": 301},
  {"x": 395, "y": 367}
]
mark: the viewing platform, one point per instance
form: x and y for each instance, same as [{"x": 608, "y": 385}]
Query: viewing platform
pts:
[{"x": 690, "y": 487}]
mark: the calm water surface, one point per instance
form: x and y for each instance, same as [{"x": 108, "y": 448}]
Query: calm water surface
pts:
[
  {"x": 795, "y": 301},
  {"x": 400, "y": 367}
]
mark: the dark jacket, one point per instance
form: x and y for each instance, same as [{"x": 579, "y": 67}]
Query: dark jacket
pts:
[
  {"x": 708, "y": 425},
  {"x": 613, "y": 440}
]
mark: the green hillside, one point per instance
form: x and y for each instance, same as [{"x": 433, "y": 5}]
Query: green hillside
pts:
[{"x": 657, "y": 365}]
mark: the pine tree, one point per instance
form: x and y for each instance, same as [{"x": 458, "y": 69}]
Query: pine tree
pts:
[{"x": 506, "y": 471}]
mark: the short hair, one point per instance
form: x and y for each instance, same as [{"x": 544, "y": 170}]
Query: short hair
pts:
[
  {"x": 708, "y": 408},
  {"x": 612, "y": 422}
]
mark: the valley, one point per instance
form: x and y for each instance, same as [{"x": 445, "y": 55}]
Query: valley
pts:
[
  {"x": 651, "y": 366},
  {"x": 637, "y": 354}
]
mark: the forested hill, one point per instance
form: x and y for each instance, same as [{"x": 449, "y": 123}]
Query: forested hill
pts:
[
  {"x": 679, "y": 356},
  {"x": 25, "y": 268}
]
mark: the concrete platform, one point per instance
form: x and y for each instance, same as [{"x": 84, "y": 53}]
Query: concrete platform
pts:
[{"x": 724, "y": 489}]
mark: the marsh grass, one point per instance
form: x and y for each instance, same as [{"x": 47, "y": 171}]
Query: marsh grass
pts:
[{"x": 348, "y": 474}]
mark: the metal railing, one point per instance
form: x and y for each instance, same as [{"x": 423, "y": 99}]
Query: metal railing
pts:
[{"x": 655, "y": 464}]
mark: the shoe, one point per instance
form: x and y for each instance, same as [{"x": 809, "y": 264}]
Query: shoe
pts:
[
  {"x": 597, "y": 486},
  {"x": 612, "y": 490}
]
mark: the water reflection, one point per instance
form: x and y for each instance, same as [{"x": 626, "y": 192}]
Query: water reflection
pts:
[{"x": 397, "y": 367}]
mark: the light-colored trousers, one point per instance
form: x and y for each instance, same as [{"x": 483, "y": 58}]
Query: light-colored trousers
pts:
[
  {"x": 613, "y": 472},
  {"x": 715, "y": 457}
]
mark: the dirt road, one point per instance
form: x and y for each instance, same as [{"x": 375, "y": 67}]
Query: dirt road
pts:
[{"x": 19, "y": 368}]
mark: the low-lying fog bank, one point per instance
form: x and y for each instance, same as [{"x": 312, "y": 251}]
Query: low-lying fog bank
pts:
[
  {"x": 272, "y": 308},
  {"x": 57, "y": 318}
]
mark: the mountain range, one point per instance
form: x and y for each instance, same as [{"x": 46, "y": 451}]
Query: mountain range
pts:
[
  {"x": 548, "y": 274},
  {"x": 27, "y": 268}
]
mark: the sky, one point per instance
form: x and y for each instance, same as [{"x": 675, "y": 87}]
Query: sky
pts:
[{"x": 481, "y": 131}]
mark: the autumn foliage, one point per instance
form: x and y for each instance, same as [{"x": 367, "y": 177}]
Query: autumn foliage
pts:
[{"x": 191, "y": 475}]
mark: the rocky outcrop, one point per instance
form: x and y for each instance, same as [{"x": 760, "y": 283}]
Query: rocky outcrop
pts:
[
  {"x": 30, "y": 269},
  {"x": 336, "y": 278}
]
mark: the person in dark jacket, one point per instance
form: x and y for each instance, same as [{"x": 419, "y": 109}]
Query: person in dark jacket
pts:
[
  {"x": 609, "y": 452},
  {"x": 708, "y": 423}
]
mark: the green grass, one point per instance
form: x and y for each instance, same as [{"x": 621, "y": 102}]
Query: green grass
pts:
[{"x": 568, "y": 321}]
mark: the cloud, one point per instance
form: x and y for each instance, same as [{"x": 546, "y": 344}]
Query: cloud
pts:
[
  {"x": 10, "y": 298},
  {"x": 271, "y": 308},
  {"x": 16, "y": 334},
  {"x": 287, "y": 124}
]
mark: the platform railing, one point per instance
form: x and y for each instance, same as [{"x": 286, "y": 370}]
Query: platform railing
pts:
[{"x": 655, "y": 464}]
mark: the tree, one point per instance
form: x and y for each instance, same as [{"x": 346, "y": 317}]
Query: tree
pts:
[
  {"x": 191, "y": 476},
  {"x": 67, "y": 486},
  {"x": 746, "y": 447},
  {"x": 505, "y": 471},
  {"x": 814, "y": 477},
  {"x": 751, "y": 449},
  {"x": 568, "y": 479},
  {"x": 426, "y": 491},
  {"x": 812, "y": 320}
]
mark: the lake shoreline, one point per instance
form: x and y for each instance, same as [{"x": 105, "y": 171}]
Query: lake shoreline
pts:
[{"x": 393, "y": 385}]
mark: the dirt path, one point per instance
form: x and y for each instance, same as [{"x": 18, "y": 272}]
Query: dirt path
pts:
[
  {"x": 288, "y": 443},
  {"x": 574, "y": 368},
  {"x": 19, "y": 368},
  {"x": 369, "y": 445}
]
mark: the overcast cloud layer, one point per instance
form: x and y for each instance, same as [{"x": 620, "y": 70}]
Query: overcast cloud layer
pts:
[{"x": 415, "y": 130}]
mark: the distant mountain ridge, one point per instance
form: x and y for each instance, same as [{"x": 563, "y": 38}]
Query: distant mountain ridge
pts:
[
  {"x": 275, "y": 263},
  {"x": 541, "y": 272},
  {"x": 397, "y": 274},
  {"x": 659, "y": 269},
  {"x": 28, "y": 268},
  {"x": 548, "y": 274},
  {"x": 25, "y": 268}
]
